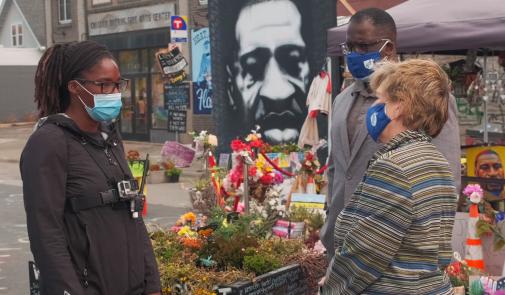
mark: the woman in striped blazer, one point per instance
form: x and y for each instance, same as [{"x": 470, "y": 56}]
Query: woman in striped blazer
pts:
[{"x": 394, "y": 236}]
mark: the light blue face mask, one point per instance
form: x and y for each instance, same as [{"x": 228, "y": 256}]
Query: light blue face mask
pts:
[{"x": 106, "y": 106}]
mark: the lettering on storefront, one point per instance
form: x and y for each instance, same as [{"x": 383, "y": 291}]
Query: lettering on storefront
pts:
[{"x": 133, "y": 19}]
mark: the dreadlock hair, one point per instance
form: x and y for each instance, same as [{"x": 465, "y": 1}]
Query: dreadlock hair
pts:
[{"x": 59, "y": 65}]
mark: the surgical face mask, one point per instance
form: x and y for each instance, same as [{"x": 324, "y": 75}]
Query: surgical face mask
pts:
[
  {"x": 376, "y": 120},
  {"x": 361, "y": 64},
  {"x": 106, "y": 106}
]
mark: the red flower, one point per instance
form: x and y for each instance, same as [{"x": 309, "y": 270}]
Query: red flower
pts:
[
  {"x": 309, "y": 156},
  {"x": 266, "y": 179},
  {"x": 252, "y": 171},
  {"x": 237, "y": 145},
  {"x": 256, "y": 143}
]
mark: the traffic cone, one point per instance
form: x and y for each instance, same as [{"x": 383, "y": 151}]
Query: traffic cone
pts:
[{"x": 473, "y": 255}]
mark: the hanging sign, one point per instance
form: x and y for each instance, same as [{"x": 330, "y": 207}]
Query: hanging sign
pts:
[
  {"x": 179, "y": 29},
  {"x": 172, "y": 63}
]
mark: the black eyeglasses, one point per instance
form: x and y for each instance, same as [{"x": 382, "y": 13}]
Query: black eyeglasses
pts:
[
  {"x": 348, "y": 47},
  {"x": 108, "y": 87}
]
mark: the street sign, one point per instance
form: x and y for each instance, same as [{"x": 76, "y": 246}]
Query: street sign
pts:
[{"x": 179, "y": 29}]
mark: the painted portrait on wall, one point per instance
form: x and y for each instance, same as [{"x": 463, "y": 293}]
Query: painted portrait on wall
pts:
[
  {"x": 264, "y": 56},
  {"x": 487, "y": 162}
]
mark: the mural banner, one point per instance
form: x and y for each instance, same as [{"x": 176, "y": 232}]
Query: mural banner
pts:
[
  {"x": 202, "y": 76},
  {"x": 264, "y": 56}
]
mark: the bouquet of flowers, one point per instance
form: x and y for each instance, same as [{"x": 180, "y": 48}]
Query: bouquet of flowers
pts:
[
  {"x": 261, "y": 175},
  {"x": 204, "y": 142}
]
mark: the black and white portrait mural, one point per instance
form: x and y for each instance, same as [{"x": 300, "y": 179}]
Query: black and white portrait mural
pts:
[{"x": 264, "y": 56}]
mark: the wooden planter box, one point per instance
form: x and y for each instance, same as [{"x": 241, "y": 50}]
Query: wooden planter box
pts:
[
  {"x": 288, "y": 280},
  {"x": 155, "y": 177}
]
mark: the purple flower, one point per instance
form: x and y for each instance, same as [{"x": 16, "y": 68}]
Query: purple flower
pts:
[{"x": 500, "y": 216}]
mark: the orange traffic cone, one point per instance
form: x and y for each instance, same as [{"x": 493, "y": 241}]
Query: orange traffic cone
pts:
[{"x": 473, "y": 255}]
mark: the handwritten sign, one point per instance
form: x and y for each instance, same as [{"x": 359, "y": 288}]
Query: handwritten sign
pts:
[
  {"x": 176, "y": 97},
  {"x": 288, "y": 280},
  {"x": 172, "y": 63},
  {"x": 179, "y": 154},
  {"x": 177, "y": 121},
  {"x": 224, "y": 160}
]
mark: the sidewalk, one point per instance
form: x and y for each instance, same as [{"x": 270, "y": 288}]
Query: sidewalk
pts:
[{"x": 166, "y": 200}]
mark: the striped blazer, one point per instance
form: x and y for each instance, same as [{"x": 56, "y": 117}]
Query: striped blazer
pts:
[{"x": 394, "y": 236}]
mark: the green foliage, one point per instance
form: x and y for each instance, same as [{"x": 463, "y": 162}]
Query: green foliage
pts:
[
  {"x": 202, "y": 184},
  {"x": 173, "y": 172},
  {"x": 284, "y": 148},
  {"x": 165, "y": 245},
  {"x": 316, "y": 220},
  {"x": 231, "y": 252},
  {"x": 299, "y": 214},
  {"x": 261, "y": 264}
]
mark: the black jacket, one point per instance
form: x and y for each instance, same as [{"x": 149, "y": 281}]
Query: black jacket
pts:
[{"x": 102, "y": 250}]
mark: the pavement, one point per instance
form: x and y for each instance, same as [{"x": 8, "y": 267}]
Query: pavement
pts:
[
  {"x": 13, "y": 137},
  {"x": 165, "y": 201}
]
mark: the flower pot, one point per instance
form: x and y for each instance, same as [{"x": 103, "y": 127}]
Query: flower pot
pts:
[
  {"x": 459, "y": 290},
  {"x": 155, "y": 177},
  {"x": 173, "y": 178}
]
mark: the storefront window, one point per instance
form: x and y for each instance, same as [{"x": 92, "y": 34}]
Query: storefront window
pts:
[
  {"x": 127, "y": 111},
  {"x": 159, "y": 113},
  {"x": 129, "y": 61},
  {"x": 141, "y": 105}
]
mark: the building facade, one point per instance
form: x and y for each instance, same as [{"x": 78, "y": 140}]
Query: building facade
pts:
[
  {"x": 65, "y": 21},
  {"x": 22, "y": 43},
  {"x": 134, "y": 31}
]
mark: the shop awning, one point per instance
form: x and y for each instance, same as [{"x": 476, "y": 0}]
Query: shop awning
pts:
[{"x": 434, "y": 25}]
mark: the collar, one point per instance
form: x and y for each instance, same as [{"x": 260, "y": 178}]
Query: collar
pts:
[
  {"x": 362, "y": 88},
  {"x": 404, "y": 138}
]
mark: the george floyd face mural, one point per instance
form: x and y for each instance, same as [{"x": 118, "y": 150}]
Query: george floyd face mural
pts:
[{"x": 265, "y": 58}]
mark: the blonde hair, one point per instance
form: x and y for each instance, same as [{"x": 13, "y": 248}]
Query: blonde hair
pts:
[{"x": 423, "y": 89}]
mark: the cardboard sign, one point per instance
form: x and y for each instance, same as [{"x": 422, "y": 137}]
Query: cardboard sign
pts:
[
  {"x": 179, "y": 154},
  {"x": 171, "y": 63},
  {"x": 224, "y": 160}
]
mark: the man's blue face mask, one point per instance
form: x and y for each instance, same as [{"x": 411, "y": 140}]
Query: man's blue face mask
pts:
[{"x": 361, "y": 64}]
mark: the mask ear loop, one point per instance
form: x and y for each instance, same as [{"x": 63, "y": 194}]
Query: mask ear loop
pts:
[
  {"x": 382, "y": 47},
  {"x": 79, "y": 97}
]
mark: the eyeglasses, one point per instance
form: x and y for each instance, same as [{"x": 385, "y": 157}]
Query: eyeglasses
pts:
[
  {"x": 108, "y": 87},
  {"x": 348, "y": 47}
]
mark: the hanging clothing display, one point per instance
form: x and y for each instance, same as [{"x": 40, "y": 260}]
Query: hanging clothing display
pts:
[{"x": 318, "y": 100}]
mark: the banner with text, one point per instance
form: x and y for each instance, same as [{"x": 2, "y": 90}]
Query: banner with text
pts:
[{"x": 202, "y": 76}]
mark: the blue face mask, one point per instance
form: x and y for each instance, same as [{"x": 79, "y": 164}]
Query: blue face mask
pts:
[
  {"x": 106, "y": 106},
  {"x": 361, "y": 64},
  {"x": 376, "y": 120}
]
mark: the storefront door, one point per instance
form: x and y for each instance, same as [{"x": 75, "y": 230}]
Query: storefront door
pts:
[{"x": 135, "y": 114}]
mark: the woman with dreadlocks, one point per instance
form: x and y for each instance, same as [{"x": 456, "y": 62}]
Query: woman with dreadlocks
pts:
[{"x": 84, "y": 232}]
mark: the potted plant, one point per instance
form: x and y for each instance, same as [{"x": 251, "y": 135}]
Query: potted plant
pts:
[
  {"x": 156, "y": 175},
  {"x": 173, "y": 174}
]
